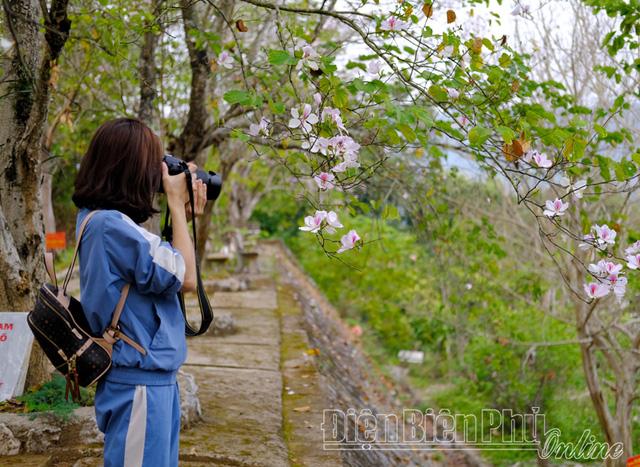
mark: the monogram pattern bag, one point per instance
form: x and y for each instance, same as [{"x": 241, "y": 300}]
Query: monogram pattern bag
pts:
[{"x": 60, "y": 327}]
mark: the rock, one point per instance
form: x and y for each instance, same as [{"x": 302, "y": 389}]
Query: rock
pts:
[
  {"x": 90, "y": 434},
  {"x": 9, "y": 444},
  {"x": 223, "y": 325},
  {"x": 41, "y": 437},
  {"x": 190, "y": 409}
]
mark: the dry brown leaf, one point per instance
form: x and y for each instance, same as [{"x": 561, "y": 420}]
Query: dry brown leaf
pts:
[
  {"x": 514, "y": 151},
  {"x": 451, "y": 16},
  {"x": 241, "y": 26},
  {"x": 427, "y": 9},
  {"x": 515, "y": 85},
  {"x": 304, "y": 408},
  {"x": 476, "y": 46}
]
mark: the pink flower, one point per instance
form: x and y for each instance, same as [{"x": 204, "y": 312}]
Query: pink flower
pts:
[
  {"x": 605, "y": 268},
  {"x": 319, "y": 144},
  {"x": 633, "y": 261},
  {"x": 356, "y": 330},
  {"x": 453, "y": 93},
  {"x": 588, "y": 239},
  {"x": 310, "y": 58},
  {"x": 349, "y": 241},
  {"x": 576, "y": 188},
  {"x": 605, "y": 235},
  {"x": 344, "y": 145},
  {"x": 314, "y": 223},
  {"x": 393, "y": 24},
  {"x": 555, "y": 208},
  {"x": 334, "y": 116},
  {"x": 324, "y": 180},
  {"x": 332, "y": 222},
  {"x": 317, "y": 98},
  {"x": 305, "y": 120},
  {"x": 633, "y": 248},
  {"x": 596, "y": 290},
  {"x": 619, "y": 285},
  {"x": 541, "y": 160},
  {"x": 349, "y": 161},
  {"x": 225, "y": 60},
  {"x": 262, "y": 127}
]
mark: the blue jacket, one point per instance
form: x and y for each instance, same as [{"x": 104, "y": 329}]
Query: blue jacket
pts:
[{"x": 115, "y": 251}]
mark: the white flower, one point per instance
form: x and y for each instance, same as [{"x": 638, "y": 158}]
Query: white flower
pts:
[
  {"x": 256, "y": 128},
  {"x": 393, "y": 24},
  {"x": 225, "y": 60},
  {"x": 555, "y": 208},
  {"x": 633, "y": 248},
  {"x": 575, "y": 188},
  {"x": 305, "y": 120},
  {"x": 314, "y": 223},
  {"x": 310, "y": 58},
  {"x": 521, "y": 9},
  {"x": 541, "y": 160},
  {"x": 317, "y": 98},
  {"x": 633, "y": 261},
  {"x": 374, "y": 67},
  {"x": 332, "y": 222}
]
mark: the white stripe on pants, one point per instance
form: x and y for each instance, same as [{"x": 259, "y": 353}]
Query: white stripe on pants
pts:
[{"x": 134, "y": 446}]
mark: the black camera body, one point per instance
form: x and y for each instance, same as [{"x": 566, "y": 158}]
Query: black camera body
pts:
[{"x": 211, "y": 179}]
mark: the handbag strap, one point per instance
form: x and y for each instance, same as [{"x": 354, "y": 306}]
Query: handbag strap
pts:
[
  {"x": 67, "y": 277},
  {"x": 112, "y": 333}
]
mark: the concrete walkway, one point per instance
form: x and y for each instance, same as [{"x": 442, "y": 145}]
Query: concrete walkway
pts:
[{"x": 260, "y": 406}]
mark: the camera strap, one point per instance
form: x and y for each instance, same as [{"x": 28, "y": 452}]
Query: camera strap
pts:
[{"x": 203, "y": 300}]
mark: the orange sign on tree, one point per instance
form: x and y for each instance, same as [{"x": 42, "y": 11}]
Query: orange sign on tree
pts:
[{"x": 56, "y": 241}]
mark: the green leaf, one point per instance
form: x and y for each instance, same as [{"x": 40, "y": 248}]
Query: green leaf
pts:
[
  {"x": 238, "y": 134},
  {"x": 507, "y": 134},
  {"x": 478, "y": 135},
  {"x": 238, "y": 97},
  {"x": 390, "y": 212},
  {"x": 281, "y": 57},
  {"x": 407, "y": 132},
  {"x": 438, "y": 93},
  {"x": 340, "y": 97},
  {"x": 603, "y": 162}
]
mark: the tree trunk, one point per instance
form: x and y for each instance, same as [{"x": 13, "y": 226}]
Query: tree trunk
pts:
[
  {"x": 23, "y": 116},
  {"x": 147, "y": 111}
]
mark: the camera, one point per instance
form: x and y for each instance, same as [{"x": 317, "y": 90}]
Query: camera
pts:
[{"x": 211, "y": 179}]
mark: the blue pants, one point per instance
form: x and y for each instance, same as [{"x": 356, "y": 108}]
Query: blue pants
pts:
[{"x": 141, "y": 424}]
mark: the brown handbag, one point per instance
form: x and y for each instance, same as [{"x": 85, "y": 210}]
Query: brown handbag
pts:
[{"x": 60, "y": 327}]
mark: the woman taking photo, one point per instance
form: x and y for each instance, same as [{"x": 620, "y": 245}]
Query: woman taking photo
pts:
[{"x": 137, "y": 403}]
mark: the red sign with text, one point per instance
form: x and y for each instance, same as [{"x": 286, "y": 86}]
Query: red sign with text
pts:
[{"x": 56, "y": 241}]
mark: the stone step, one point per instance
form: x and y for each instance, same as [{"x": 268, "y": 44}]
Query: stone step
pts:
[
  {"x": 209, "y": 351},
  {"x": 242, "y": 417}
]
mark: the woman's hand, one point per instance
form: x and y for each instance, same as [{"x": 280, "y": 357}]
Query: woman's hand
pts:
[
  {"x": 199, "y": 194},
  {"x": 175, "y": 187}
]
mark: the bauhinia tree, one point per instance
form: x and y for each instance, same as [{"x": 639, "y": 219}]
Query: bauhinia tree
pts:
[{"x": 35, "y": 34}]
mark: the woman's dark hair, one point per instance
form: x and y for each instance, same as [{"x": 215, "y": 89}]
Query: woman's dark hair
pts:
[{"x": 121, "y": 169}]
